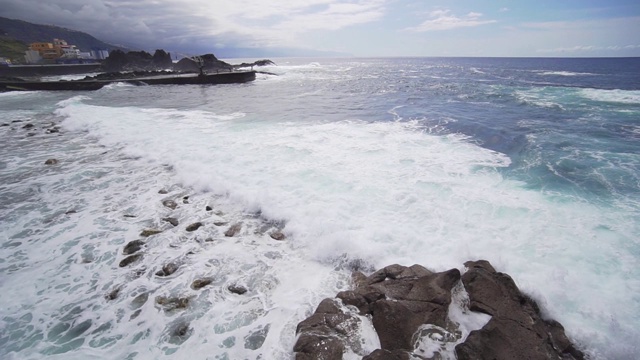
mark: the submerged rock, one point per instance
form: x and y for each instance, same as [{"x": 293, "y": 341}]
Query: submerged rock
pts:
[
  {"x": 195, "y": 226},
  {"x": 237, "y": 289},
  {"x": 51, "y": 162},
  {"x": 130, "y": 260},
  {"x": 149, "y": 232},
  {"x": 113, "y": 294},
  {"x": 277, "y": 235},
  {"x": 220, "y": 223},
  {"x": 129, "y": 216},
  {"x": 139, "y": 300},
  {"x": 28, "y": 126},
  {"x": 181, "y": 329},
  {"x": 200, "y": 283},
  {"x": 233, "y": 230},
  {"x": 132, "y": 247},
  {"x": 171, "y": 220},
  {"x": 163, "y": 191},
  {"x": 70, "y": 212},
  {"x": 172, "y": 303},
  {"x": 168, "y": 269},
  {"x": 170, "y": 204}
]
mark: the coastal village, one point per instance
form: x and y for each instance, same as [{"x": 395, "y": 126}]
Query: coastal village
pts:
[{"x": 59, "y": 52}]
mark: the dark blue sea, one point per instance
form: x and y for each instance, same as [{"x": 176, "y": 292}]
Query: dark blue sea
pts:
[{"x": 532, "y": 164}]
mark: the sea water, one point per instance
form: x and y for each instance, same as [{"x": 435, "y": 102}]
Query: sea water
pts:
[{"x": 532, "y": 164}]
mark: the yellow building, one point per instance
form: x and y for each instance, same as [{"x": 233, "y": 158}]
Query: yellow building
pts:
[{"x": 47, "y": 50}]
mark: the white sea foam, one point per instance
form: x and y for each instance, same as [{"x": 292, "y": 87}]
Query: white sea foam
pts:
[
  {"x": 539, "y": 97},
  {"x": 387, "y": 193},
  {"x": 564, "y": 73},
  {"x": 612, "y": 96}
]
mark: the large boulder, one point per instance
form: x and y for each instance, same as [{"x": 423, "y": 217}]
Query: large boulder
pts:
[
  {"x": 516, "y": 329},
  {"x": 401, "y": 300}
]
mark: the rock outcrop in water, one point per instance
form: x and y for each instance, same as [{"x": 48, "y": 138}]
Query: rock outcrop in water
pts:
[{"x": 401, "y": 300}]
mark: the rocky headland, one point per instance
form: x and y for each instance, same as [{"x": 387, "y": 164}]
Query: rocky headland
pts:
[{"x": 409, "y": 309}]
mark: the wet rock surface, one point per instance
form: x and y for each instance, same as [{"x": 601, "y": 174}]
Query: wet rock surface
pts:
[
  {"x": 130, "y": 260},
  {"x": 133, "y": 247},
  {"x": 51, "y": 162},
  {"x": 237, "y": 289},
  {"x": 195, "y": 226},
  {"x": 171, "y": 220},
  {"x": 170, "y": 204},
  {"x": 233, "y": 230},
  {"x": 149, "y": 232},
  {"x": 200, "y": 283},
  {"x": 516, "y": 329},
  {"x": 400, "y": 300},
  {"x": 168, "y": 269},
  {"x": 277, "y": 235}
]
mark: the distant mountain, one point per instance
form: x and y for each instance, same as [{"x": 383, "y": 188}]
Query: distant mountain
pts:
[{"x": 26, "y": 32}]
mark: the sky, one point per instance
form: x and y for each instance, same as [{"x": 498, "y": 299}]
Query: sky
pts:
[{"x": 361, "y": 28}]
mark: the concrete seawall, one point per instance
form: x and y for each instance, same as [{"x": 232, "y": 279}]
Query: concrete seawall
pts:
[{"x": 48, "y": 70}]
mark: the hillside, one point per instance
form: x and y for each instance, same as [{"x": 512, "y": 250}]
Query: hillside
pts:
[
  {"x": 27, "y": 33},
  {"x": 12, "y": 49}
]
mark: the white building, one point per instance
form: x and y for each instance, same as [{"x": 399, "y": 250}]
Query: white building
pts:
[{"x": 32, "y": 56}]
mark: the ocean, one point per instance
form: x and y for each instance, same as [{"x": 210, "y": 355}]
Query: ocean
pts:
[{"x": 532, "y": 164}]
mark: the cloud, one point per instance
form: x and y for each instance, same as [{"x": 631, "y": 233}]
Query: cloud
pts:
[
  {"x": 504, "y": 9},
  {"x": 167, "y": 23},
  {"x": 444, "y": 20}
]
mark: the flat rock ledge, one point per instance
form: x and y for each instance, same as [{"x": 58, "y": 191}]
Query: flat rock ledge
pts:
[{"x": 401, "y": 300}]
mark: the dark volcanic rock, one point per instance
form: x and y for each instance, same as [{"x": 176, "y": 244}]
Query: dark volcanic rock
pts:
[
  {"x": 208, "y": 208},
  {"x": 130, "y": 260},
  {"x": 132, "y": 247},
  {"x": 237, "y": 289},
  {"x": 195, "y": 226},
  {"x": 51, "y": 162},
  {"x": 168, "y": 269},
  {"x": 171, "y": 220},
  {"x": 380, "y": 354},
  {"x": 170, "y": 204},
  {"x": 516, "y": 329},
  {"x": 233, "y": 230},
  {"x": 324, "y": 335},
  {"x": 399, "y": 300},
  {"x": 200, "y": 283}
]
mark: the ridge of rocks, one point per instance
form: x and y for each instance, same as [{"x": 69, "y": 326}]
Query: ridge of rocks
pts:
[{"x": 400, "y": 300}]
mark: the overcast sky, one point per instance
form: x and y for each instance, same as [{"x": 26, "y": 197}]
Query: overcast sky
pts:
[{"x": 232, "y": 28}]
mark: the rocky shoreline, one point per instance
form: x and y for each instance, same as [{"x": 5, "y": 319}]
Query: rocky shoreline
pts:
[
  {"x": 409, "y": 308},
  {"x": 408, "y": 304}
]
